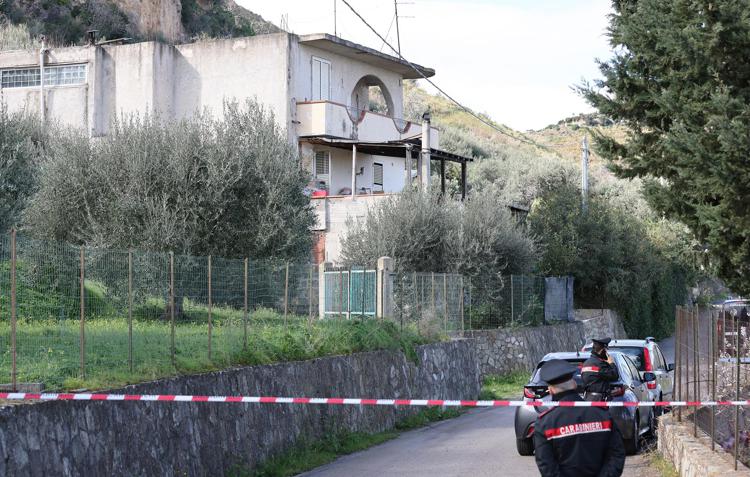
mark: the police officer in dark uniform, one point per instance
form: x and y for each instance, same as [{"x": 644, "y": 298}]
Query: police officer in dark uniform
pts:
[
  {"x": 599, "y": 371},
  {"x": 575, "y": 441}
]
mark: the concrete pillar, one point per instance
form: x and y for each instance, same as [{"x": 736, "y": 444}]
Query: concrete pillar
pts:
[
  {"x": 425, "y": 165},
  {"x": 384, "y": 291},
  {"x": 354, "y": 171},
  {"x": 322, "y": 289},
  {"x": 407, "y": 166}
]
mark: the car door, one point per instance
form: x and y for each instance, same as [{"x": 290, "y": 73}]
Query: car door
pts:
[
  {"x": 663, "y": 376},
  {"x": 639, "y": 388}
]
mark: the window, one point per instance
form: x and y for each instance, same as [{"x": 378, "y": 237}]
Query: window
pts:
[
  {"x": 321, "y": 79},
  {"x": 322, "y": 170},
  {"x": 53, "y": 76},
  {"x": 377, "y": 174}
]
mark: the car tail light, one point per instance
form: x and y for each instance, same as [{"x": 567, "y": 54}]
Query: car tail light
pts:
[
  {"x": 617, "y": 391},
  {"x": 528, "y": 393},
  {"x": 649, "y": 367}
]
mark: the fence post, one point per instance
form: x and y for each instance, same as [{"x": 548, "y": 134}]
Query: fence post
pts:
[
  {"x": 512, "y": 304},
  {"x": 171, "y": 308},
  {"x": 696, "y": 368},
  {"x": 385, "y": 287},
  {"x": 82, "y": 339},
  {"x": 432, "y": 291},
  {"x": 461, "y": 304},
  {"x": 341, "y": 294},
  {"x": 323, "y": 291},
  {"x": 210, "y": 306},
  {"x": 737, "y": 394},
  {"x": 286, "y": 292},
  {"x": 417, "y": 307},
  {"x": 445, "y": 300},
  {"x": 678, "y": 360},
  {"x": 130, "y": 310},
  {"x": 349, "y": 295},
  {"x": 244, "y": 310},
  {"x": 362, "y": 284},
  {"x": 310, "y": 293},
  {"x": 713, "y": 334},
  {"x": 13, "y": 312}
]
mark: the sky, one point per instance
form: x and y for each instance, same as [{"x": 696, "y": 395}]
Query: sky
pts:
[{"x": 515, "y": 60}]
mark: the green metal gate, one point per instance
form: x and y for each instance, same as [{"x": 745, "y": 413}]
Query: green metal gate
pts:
[{"x": 350, "y": 292}]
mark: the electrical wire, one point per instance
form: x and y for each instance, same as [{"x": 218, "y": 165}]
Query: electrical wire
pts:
[
  {"x": 389, "y": 31},
  {"x": 456, "y": 102}
]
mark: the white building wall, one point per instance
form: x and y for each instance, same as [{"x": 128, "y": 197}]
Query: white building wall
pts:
[{"x": 345, "y": 73}]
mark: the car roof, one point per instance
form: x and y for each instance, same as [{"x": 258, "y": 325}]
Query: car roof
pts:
[
  {"x": 619, "y": 343},
  {"x": 565, "y": 355}
]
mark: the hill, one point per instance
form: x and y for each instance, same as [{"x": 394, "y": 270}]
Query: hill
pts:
[{"x": 66, "y": 22}]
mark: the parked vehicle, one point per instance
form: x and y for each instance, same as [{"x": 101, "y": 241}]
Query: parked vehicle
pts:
[
  {"x": 648, "y": 357},
  {"x": 632, "y": 421}
]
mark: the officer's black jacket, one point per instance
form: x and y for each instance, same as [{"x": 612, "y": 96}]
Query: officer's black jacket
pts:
[
  {"x": 578, "y": 441},
  {"x": 597, "y": 374}
]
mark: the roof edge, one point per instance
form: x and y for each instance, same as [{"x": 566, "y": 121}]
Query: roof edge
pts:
[{"x": 313, "y": 37}]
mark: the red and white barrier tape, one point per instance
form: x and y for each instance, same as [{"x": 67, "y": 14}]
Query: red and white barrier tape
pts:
[{"x": 354, "y": 401}]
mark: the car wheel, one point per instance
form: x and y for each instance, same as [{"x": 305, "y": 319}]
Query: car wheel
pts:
[
  {"x": 525, "y": 446},
  {"x": 658, "y": 410},
  {"x": 632, "y": 444}
]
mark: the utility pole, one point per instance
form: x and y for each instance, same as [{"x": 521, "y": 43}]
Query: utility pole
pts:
[
  {"x": 398, "y": 34},
  {"x": 585, "y": 173},
  {"x": 335, "y": 23}
]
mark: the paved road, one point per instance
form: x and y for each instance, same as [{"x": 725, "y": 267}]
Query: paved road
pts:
[{"x": 479, "y": 443}]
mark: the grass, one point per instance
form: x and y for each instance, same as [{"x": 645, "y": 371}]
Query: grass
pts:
[
  {"x": 506, "y": 386},
  {"x": 309, "y": 456},
  {"x": 662, "y": 465},
  {"x": 49, "y": 350}
]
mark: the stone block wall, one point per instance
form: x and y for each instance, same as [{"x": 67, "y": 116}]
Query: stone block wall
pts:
[
  {"x": 158, "y": 438},
  {"x": 693, "y": 457},
  {"x": 507, "y": 350}
]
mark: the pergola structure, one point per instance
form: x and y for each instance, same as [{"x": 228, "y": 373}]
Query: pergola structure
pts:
[{"x": 410, "y": 149}]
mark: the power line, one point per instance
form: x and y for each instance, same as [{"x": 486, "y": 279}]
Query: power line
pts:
[{"x": 456, "y": 102}]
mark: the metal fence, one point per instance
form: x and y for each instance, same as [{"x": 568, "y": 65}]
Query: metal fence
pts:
[
  {"x": 712, "y": 352},
  {"x": 70, "y": 316},
  {"x": 73, "y": 313}
]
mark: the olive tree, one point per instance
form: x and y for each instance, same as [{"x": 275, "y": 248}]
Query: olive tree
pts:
[{"x": 230, "y": 186}]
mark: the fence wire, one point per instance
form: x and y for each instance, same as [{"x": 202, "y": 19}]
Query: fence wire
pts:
[
  {"x": 712, "y": 352},
  {"x": 88, "y": 317}
]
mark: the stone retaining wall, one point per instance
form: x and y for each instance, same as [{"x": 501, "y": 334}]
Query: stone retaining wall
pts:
[
  {"x": 507, "y": 350},
  {"x": 693, "y": 457},
  {"x": 196, "y": 439}
]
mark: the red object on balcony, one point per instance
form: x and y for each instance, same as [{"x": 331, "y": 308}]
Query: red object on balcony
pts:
[{"x": 320, "y": 193}]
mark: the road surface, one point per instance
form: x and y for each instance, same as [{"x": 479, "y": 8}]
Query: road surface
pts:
[{"x": 480, "y": 443}]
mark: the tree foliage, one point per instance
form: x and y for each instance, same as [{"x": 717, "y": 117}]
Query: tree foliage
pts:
[
  {"x": 21, "y": 143},
  {"x": 679, "y": 79},
  {"x": 619, "y": 260},
  {"x": 230, "y": 187},
  {"x": 423, "y": 232}
]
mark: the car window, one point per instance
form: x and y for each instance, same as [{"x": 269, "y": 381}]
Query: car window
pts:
[
  {"x": 633, "y": 370},
  {"x": 536, "y": 380},
  {"x": 622, "y": 366},
  {"x": 661, "y": 364},
  {"x": 633, "y": 352}
]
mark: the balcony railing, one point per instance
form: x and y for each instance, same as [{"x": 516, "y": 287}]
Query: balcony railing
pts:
[{"x": 330, "y": 119}]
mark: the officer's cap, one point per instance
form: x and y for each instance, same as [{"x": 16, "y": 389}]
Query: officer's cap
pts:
[
  {"x": 602, "y": 341},
  {"x": 556, "y": 371}
]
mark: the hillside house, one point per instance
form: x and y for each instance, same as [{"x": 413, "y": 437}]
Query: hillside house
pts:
[{"x": 318, "y": 86}]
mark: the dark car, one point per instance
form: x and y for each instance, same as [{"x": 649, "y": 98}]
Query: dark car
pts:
[
  {"x": 648, "y": 357},
  {"x": 633, "y": 422}
]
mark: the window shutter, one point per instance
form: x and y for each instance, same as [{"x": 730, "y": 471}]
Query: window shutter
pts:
[
  {"x": 323, "y": 167},
  {"x": 377, "y": 174}
]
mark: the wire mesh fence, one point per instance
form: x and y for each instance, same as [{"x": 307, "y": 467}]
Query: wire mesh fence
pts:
[
  {"x": 712, "y": 352},
  {"x": 501, "y": 301},
  {"x": 87, "y": 317}
]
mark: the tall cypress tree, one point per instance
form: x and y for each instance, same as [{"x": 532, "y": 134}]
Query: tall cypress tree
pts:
[{"x": 680, "y": 80}]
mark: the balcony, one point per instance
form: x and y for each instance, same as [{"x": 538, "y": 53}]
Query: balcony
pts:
[{"x": 335, "y": 120}]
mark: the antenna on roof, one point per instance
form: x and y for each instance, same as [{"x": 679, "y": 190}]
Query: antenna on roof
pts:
[{"x": 335, "y": 30}]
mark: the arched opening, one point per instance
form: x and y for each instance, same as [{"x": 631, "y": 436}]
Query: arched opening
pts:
[{"x": 370, "y": 94}]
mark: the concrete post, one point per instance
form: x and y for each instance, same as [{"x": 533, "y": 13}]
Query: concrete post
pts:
[
  {"x": 424, "y": 167},
  {"x": 354, "y": 171},
  {"x": 322, "y": 289},
  {"x": 407, "y": 166},
  {"x": 384, "y": 291}
]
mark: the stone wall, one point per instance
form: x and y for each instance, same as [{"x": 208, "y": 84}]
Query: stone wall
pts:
[
  {"x": 157, "y": 438},
  {"x": 507, "y": 350},
  {"x": 693, "y": 457}
]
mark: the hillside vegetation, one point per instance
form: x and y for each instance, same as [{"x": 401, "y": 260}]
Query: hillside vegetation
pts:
[{"x": 65, "y": 23}]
